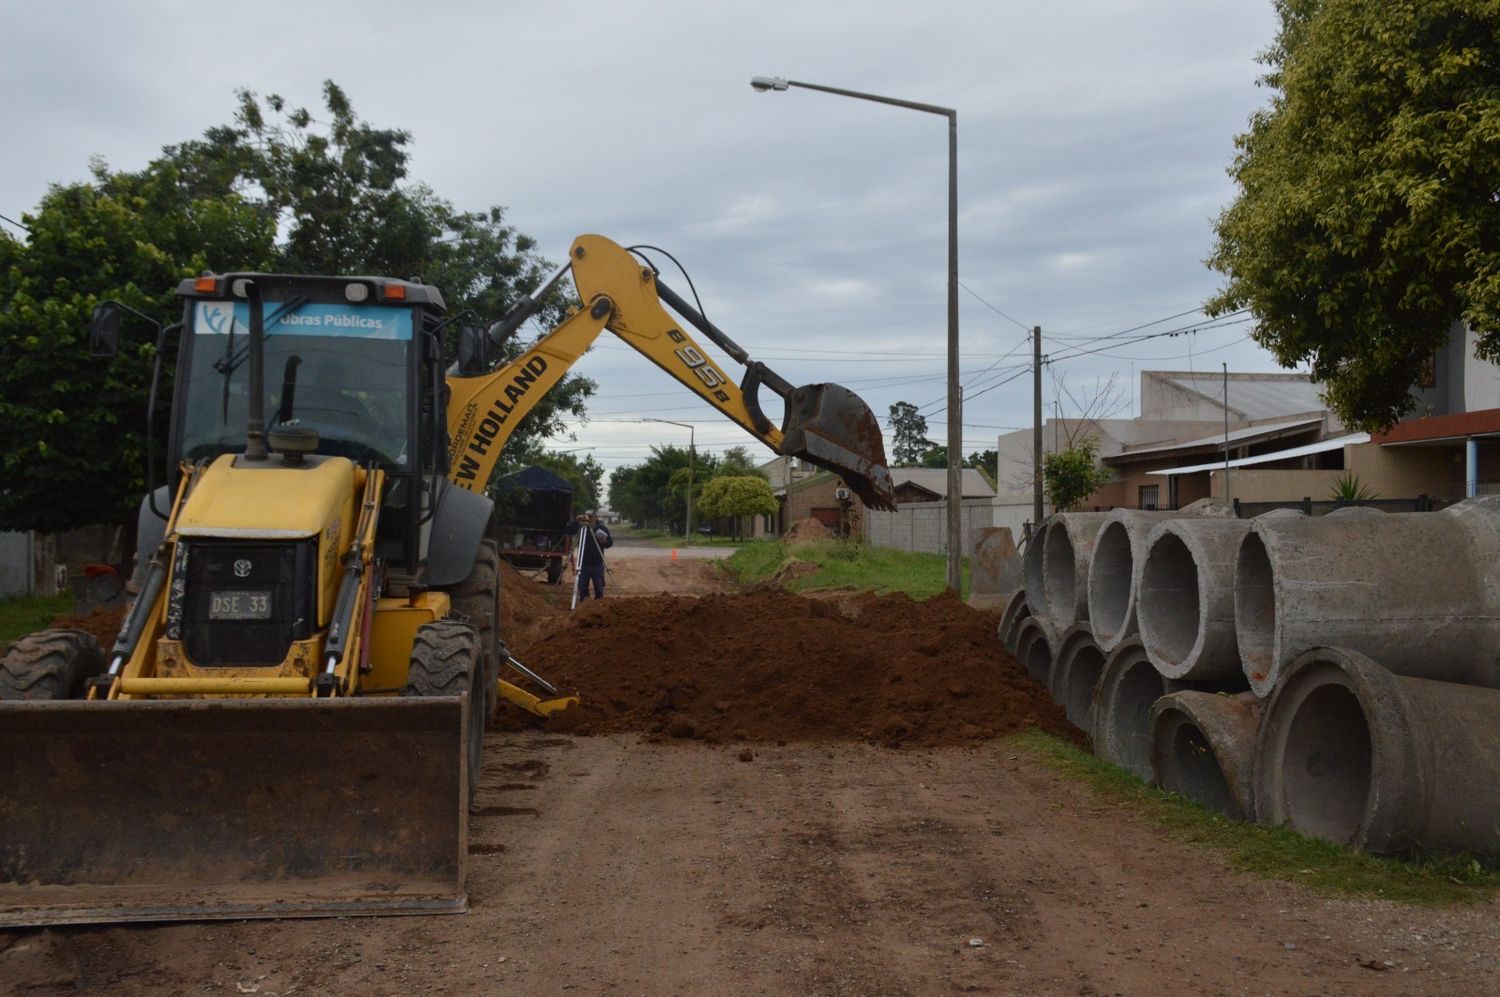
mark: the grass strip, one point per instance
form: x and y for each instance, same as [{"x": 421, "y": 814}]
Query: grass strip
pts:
[
  {"x": 1275, "y": 852},
  {"x": 22, "y": 616},
  {"x": 845, "y": 564}
]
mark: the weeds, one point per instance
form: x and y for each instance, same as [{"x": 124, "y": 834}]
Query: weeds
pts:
[{"x": 1275, "y": 852}]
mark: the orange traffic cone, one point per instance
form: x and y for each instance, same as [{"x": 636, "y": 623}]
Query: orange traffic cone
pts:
[{"x": 674, "y": 553}]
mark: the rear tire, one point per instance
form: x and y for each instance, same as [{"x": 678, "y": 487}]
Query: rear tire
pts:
[
  {"x": 446, "y": 661},
  {"x": 476, "y": 599},
  {"x": 49, "y": 664},
  {"x": 554, "y": 570}
]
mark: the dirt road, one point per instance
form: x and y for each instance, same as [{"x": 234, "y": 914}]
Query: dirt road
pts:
[
  {"x": 786, "y": 856},
  {"x": 605, "y": 865}
]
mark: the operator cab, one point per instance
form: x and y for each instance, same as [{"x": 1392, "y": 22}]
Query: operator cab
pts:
[{"x": 354, "y": 360}]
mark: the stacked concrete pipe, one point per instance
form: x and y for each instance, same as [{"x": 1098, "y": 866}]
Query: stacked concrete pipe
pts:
[
  {"x": 1066, "y": 547},
  {"x": 1115, "y": 568},
  {"x": 1033, "y": 649},
  {"x": 1076, "y": 668},
  {"x": 1031, "y": 567},
  {"x": 1186, "y": 601},
  {"x": 1418, "y": 592},
  {"x": 1350, "y": 752},
  {"x": 1128, "y": 687},
  {"x": 1016, "y": 610},
  {"x": 1203, "y": 748}
]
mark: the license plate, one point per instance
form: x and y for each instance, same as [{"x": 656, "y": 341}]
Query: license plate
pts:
[{"x": 240, "y": 605}]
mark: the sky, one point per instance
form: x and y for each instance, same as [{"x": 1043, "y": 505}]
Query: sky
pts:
[{"x": 1093, "y": 142}]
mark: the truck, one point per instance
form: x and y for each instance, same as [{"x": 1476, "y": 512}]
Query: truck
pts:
[
  {"x": 534, "y": 520},
  {"x": 291, "y": 720}
]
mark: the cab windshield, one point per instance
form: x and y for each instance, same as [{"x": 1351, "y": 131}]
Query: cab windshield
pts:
[{"x": 340, "y": 369}]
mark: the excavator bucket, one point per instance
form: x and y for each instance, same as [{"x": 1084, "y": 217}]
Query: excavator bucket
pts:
[
  {"x": 231, "y": 808},
  {"x": 830, "y": 426}
]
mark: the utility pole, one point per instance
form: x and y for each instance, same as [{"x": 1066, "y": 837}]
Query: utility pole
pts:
[
  {"x": 1036, "y": 425},
  {"x": 1226, "y": 434}
]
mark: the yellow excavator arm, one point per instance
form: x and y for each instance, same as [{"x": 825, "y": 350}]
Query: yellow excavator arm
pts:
[{"x": 825, "y": 424}]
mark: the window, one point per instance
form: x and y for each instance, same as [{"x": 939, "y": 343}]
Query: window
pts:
[
  {"x": 346, "y": 364},
  {"x": 1149, "y": 496}
]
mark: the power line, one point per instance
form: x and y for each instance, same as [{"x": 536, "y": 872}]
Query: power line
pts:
[
  {"x": 992, "y": 308},
  {"x": 17, "y": 224}
]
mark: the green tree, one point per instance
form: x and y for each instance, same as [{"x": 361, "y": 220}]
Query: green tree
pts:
[
  {"x": 908, "y": 435},
  {"x": 736, "y": 496},
  {"x": 645, "y": 494},
  {"x": 1366, "y": 221},
  {"x": 737, "y": 461},
  {"x": 272, "y": 191},
  {"x": 983, "y": 460},
  {"x": 73, "y": 448},
  {"x": 585, "y": 474},
  {"x": 1070, "y": 475},
  {"x": 336, "y": 188}
]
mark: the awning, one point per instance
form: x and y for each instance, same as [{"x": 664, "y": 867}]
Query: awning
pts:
[
  {"x": 1266, "y": 458},
  {"x": 1243, "y": 436}
]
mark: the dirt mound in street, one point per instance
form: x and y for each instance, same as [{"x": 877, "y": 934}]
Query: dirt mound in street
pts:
[{"x": 772, "y": 666}]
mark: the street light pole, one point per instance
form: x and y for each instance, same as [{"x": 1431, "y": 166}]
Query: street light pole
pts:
[
  {"x": 955, "y": 399},
  {"x": 692, "y": 459}
]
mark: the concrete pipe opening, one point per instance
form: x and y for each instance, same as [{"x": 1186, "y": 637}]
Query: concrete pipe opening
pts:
[
  {"x": 1189, "y": 767},
  {"x": 1125, "y": 722},
  {"x": 1326, "y": 764},
  {"x": 1059, "y": 575},
  {"x": 1111, "y": 575},
  {"x": 1255, "y": 612},
  {"x": 1085, "y": 666},
  {"x": 1037, "y": 657},
  {"x": 1032, "y": 564},
  {"x": 1170, "y": 608}
]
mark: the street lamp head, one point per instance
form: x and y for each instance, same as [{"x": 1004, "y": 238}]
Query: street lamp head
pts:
[{"x": 764, "y": 83}]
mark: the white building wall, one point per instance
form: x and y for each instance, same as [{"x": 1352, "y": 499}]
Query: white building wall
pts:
[
  {"x": 923, "y": 526},
  {"x": 16, "y": 565}
]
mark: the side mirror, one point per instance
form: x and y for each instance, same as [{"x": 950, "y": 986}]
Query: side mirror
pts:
[
  {"x": 104, "y": 330},
  {"x": 473, "y": 350}
]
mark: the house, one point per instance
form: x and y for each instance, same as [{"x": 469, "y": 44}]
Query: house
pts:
[{"x": 1182, "y": 423}]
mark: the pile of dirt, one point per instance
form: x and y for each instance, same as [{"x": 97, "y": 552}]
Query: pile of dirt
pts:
[
  {"x": 103, "y": 623},
  {"x": 528, "y": 611},
  {"x": 772, "y": 666},
  {"x": 807, "y": 529}
]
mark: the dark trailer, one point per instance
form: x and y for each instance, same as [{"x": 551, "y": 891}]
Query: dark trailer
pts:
[{"x": 534, "y": 517}]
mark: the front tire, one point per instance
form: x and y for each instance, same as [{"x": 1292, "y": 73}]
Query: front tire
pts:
[
  {"x": 49, "y": 664},
  {"x": 446, "y": 661},
  {"x": 476, "y": 599}
]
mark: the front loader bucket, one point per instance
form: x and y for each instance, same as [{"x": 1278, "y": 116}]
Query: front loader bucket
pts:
[
  {"x": 830, "y": 426},
  {"x": 231, "y": 808}
]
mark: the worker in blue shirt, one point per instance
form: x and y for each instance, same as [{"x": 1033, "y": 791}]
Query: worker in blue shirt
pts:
[{"x": 595, "y": 538}]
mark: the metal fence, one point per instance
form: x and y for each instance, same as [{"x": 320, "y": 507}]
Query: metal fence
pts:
[{"x": 1310, "y": 507}]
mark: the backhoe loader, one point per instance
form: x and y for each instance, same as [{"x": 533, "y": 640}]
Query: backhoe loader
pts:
[{"x": 291, "y": 719}]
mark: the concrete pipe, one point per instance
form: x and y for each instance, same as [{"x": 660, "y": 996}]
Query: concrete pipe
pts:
[
  {"x": 1031, "y": 567},
  {"x": 1066, "y": 551},
  {"x": 1075, "y": 672},
  {"x": 1033, "y": 649},
  {"x": 1203, "y": 748},
  {"x": 1186, "y": 602},
  {"x": 1415, "y": 591},
  {"x": 1128, "y": 687},
  {"x": 1016, "y": 610},
  {"x": 1350, "y": 752},
  {"x": 1115, "y": 569}
]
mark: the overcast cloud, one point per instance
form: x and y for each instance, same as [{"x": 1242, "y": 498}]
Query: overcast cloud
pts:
[{"x": 1093, "y": 138}]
